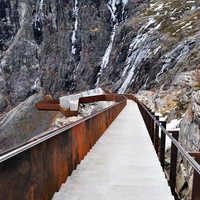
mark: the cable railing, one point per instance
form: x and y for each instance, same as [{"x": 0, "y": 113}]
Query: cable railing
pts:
[{"x": 153, "y": 125}]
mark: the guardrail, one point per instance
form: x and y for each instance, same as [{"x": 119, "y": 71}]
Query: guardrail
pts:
[
  {"x": 69, "y": 105},
  {"x": 35, "y": 170},
  {"x": 153, "y": 125}
]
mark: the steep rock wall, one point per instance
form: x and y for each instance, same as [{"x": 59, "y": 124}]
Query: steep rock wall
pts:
[
  {"x": 68, "y": 46},
  {"x": 48, "y": 45}
]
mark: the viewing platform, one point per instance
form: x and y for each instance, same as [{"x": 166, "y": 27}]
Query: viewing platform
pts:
[
  {"x": 122, "y": 165},
  {"x": 116, "y": 153}
]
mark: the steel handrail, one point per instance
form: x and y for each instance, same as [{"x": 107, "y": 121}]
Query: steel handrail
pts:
[
  {"x": 46, "y": 162},
  {"x": 189, "y": 158},
  {"x": 48, "y": 134}
]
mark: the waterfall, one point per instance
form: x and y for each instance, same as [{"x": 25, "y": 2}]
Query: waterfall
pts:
[
  {"x": 123, "y": 9},
  {"x": 114, "y": 22},
  {"x": 138, "y": 51},
  {"x": 75, "y": 15},
  {"x": 106, "y": 56},
  {"x": 41, "y": 4},
  {"x": 39, "y": 13}
]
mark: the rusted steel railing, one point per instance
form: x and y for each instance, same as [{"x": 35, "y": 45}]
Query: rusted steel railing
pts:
[
  {"x": 36, "y": 169},
  {"x": 153, "y": 125},
  {"x": 54, "y": 104}
]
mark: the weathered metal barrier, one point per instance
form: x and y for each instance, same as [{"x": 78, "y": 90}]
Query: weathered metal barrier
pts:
[
  {"x": 153, "y": 125},
  {"x": 36, "y": 169}
]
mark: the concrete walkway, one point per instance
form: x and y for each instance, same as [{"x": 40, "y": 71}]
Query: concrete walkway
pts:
[{"x": 122, "y": 165}]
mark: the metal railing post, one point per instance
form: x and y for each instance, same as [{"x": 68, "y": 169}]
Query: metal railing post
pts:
[
  {"x": 176, "y": 146},
  {"x": 196, "y": 178},
  {"x": 156, "y": 134},
  {"x": 149, "y": 122},
  {"x": 173, "y": 163},
  {"x": 152, "y": 129},
  {"x": 162, "y": 145}
]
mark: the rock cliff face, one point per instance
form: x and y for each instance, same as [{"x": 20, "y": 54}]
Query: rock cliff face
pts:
[
  {"x": 124, "y": 45},
  {"x": 54, "y": 47},
  {"x": 49, "y": 45},
  {"x": 59, "y": 46},
  {"x": 24, "y": 122}
]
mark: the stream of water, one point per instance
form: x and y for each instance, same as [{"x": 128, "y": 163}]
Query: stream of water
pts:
[{"x": 112, "y": 6}]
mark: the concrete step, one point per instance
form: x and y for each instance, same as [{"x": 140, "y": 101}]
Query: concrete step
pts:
[
  {"x": 91, "y": 165},
  {"x": 107, "y": 160},
  {"x": 122, "y": 165},
  {"x": 116, "y": 179},
  {"x": 121, "y": 171},
  {"x": 130, "y": 153},
  {"x": 139, "y": 145},
  {"x": 122, "y": 181},
  {"x": 119, "y": 193}
]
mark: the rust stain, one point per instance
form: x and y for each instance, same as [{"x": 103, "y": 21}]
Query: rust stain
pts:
[
  {"x": 38, "y": 172},
  {"x": 196, "y": 178},
  {"x": 53, "y": 104}
]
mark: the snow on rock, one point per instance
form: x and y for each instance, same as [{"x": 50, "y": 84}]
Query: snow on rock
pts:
[
  {"x": 115, "y": 20},
  {"x": 106, "y": 56},
  {"x": 125, "y": 2},
  {"x": 175, "y": 55},
  {"x": 174, "y": 124},
  {"x": 138, "y": 51},
  {"x": 75, "y": 14},
  {"x": 159, "y": 7},
  {"x": 112, "y": 8}
]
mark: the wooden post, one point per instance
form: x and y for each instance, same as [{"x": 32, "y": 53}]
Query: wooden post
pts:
[{"x": 196, "y": 178}]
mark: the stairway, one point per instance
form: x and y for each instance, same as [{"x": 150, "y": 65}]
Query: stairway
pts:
[{"x": 122, "y": 165}]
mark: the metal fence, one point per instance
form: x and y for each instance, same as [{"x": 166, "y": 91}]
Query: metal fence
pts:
[
  {"x": 35, "y": 170},
  {"x": 153, "y": 125}
]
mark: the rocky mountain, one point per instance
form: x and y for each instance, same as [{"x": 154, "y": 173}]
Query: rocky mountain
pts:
[
  {"x": 24, "y": 122},
  {"x": 68, "y": 46},
  {"x": 54, "y": 47}
]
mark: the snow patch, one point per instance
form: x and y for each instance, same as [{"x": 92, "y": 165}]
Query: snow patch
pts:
[
  {"x": 37, "y": 85},
  {"x": 137, "y": 53},
  {"x": 159, "y": 7},
  {"x": 75, "y": 14},
  {"x": 125, "y": 2},
  {"x": 41, "y": 4},
  {"x": 174, "y": 124},
  {"x": 156, "y": 50},
  {"x": 188, "y": 24}
]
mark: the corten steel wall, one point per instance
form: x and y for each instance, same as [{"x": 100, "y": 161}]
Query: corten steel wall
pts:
[{"x": 38, "y": 172}]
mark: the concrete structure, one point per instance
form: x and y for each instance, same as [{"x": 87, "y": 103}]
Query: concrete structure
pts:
[
  {"x": 122, "y": 165},
  {"x": 71, "y": 101}
]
